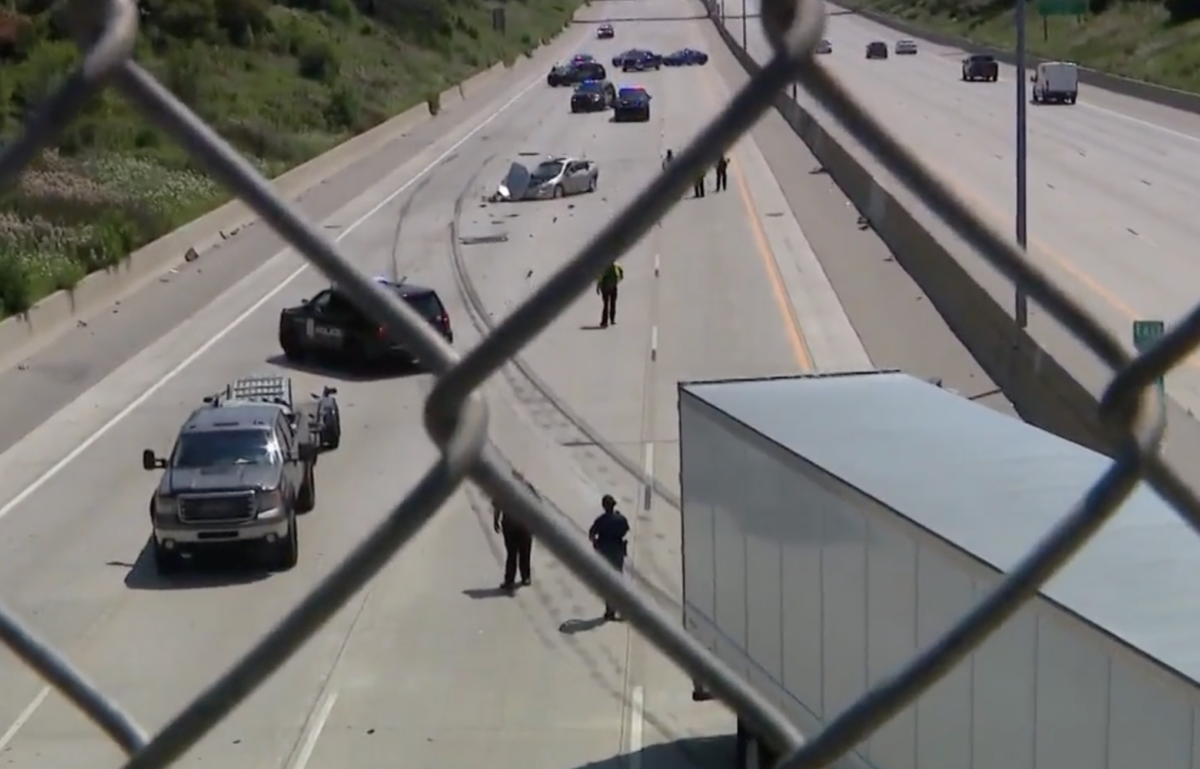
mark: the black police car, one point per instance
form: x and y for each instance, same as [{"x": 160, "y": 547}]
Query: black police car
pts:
[
  {"x": 330, "y": 325},
  {"x": 633, "y": 105},
  {"x": 593, "y": 96},
  {"x": 576, "y": 72}
]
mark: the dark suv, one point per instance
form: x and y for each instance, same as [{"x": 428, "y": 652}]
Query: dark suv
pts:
[
  {"x": 331, "y": 325},
  {"x": 239, "y": 473},
  {"x": 877, "y": 50},
  {"x": 576, "y": 72},
  {"x": 980, "y": 66},
  {"x": 593, "y": 96}
]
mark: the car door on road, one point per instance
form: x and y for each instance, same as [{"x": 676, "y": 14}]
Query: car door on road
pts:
[{"x": 330, "y": 318}]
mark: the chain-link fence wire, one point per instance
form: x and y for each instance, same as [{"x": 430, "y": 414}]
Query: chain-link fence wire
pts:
[{"x": 456, "y": 416}]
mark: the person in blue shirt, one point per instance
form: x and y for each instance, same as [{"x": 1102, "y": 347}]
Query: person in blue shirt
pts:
[{"x": 608, "y": 534}]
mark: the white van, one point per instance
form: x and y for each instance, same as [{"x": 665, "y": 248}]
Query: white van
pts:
[{"x": 1055, "y": 82}]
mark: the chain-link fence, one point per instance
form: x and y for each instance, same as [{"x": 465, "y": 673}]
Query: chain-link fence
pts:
[{"x": 456, "y": 416}]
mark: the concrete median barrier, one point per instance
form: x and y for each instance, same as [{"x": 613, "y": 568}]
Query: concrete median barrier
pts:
[{"x": 1040, "y": 387}]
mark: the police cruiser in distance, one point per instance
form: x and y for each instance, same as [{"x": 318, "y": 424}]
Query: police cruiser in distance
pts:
[
  {"x": 593, "y": 96},
  {"x": 240, "y": 472},
  {"x": 633, "y": 104},
  {"x": 330, "y": 325}
]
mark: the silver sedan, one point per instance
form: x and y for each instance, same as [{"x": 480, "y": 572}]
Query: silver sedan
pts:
[{"x": 553, "y": 177}]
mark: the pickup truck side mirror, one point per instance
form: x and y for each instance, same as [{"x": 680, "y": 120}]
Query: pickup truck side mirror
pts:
[
  {"x": 307, "y": 452},
  {"x": 151, "y": 462}
]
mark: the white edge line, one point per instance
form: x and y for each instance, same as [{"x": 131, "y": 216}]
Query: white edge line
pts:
[
  {"x": 314, "y": 729},
  {"x": 653, "y": 342},
  {"x": 648, "y": 461},
  {"x": 22, "y": 719},
  {"x": 636, "y": 723},
  {"x": 137, "y": 402},
  {"x": 656, "y": 265}
]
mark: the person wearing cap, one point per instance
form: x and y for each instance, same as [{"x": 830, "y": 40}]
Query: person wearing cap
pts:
[{"x": 608, "y": 534}]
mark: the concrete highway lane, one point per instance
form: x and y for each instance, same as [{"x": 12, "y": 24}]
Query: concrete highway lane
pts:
[
  {"x": 1110, "y": 179},
  {"x": 429, "y": 662},
  {"x": 726, "y": 286}
]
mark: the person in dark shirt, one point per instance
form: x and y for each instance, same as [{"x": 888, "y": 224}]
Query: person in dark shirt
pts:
[
  {"x": 518, "y": 544},
  {"x": 608, "y": 534},
  {"x": 723, "y": 173}
]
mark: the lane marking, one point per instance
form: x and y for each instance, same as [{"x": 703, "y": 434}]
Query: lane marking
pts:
[
  {"x": 795, "y": 332},
  {"x": 654, "y": 343},
  {"x": 656, "y": 261},
  {"x": 648, "y": 482},
  {"x": 22, "y": 719},
  {"x": 313, "y": 730},
  {"x": 636, "y": 725},
  {"x": 137, "y": 402}
]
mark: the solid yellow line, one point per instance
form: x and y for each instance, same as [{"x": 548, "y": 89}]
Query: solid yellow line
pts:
[{"x": 783, "y": 302}]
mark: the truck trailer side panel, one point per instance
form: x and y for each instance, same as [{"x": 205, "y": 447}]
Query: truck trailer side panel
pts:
[{"x": 753, "y": 585}]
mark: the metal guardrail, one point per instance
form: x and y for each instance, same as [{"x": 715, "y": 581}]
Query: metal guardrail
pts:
[{"x": 456, "y": 416}]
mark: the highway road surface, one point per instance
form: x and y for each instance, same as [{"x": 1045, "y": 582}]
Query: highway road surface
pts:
[
  {"x": 1111, "y": 179},
  {"x": 431, "y": 663}
]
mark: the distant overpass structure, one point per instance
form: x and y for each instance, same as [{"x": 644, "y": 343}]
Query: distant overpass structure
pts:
[{"x": 836, "y": 525}]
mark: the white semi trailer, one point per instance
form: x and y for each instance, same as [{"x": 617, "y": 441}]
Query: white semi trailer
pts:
[{"x": 834, "y": 526}]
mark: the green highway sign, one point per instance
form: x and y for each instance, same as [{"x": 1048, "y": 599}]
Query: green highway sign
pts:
[
  {"x": 1062, "y": 7},
  {"x": 1145, "y": 334}
]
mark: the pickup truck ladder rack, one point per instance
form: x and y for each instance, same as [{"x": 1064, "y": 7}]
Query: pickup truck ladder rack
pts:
[{"x": 261, "y": 389}]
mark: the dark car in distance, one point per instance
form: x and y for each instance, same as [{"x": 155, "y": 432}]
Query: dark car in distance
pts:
[
  {"x": 330, "y": 325},
  {"x": 593, "y": 96},
  {"x": 606, "y": 32},
  {"x": 980, "y": 66},
  {"x": 633, "y": 105},
  {"x": 576, "y": 72},
  {"x": 685, "y": 57},
  {"x": 634, "y": 57},
  {"x": 877, "y": 50},
  {"x": 643, "y": 61}
]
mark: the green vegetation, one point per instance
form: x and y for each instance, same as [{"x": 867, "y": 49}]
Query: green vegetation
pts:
[
  {"x": 282, "y": 80},
  {"x": 1153, "y": 40}
]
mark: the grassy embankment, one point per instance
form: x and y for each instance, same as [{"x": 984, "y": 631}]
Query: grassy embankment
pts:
[
  {"x": 1154, "y": 40},
  {"x": 282, "y": 80}
]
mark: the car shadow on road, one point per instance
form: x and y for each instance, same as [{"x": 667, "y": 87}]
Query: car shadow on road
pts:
[
  {"x": 717, "y": 752},
  {"x": 484, "y": 593},
  {"x": 210, "y": 570},
  {"x": 348, "y": 372}
]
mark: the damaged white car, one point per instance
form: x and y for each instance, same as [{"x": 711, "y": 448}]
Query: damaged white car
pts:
[{"x": 553, "y": 177}]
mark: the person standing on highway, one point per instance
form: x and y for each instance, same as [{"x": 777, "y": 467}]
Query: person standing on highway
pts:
[
  {"x": 608, "y": 534},
  {"x": 606, "y": 287},
  {"x": 698, "y": 187},
  {"x": 723, "y": 173},
  {"x": 518, "y": 544},
  {"x": 667, "y": 160}
]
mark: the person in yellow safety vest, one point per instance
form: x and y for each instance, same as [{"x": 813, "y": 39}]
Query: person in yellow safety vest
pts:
[{"x": 606, "y": 287}]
